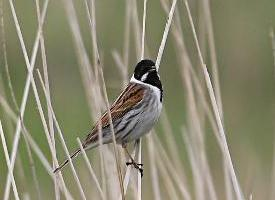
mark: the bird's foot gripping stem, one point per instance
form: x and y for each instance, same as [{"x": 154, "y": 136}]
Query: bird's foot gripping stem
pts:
[{"x": 138, "y": 166}]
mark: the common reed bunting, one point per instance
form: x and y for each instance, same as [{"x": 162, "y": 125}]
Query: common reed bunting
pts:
[{"x": 133, "y": 114}]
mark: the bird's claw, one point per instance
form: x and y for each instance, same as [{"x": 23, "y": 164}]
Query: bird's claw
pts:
[
  {"x": 133, "y": 163},
  {"x": 137, "y": 166}
]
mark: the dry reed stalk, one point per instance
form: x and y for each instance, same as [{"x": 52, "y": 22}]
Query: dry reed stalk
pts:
[
  {"x": 128, "y": 172},
  {"x": 216, "y": 82},
  {"x": 171, "y": 144},
  {"x": 47, "y": 85},
  {"x": 136, "y": 28},
  {"x": 139, "y": 141},
  {"x": 165, "y": 168},
  {"x": 273, "y": 47},
  {"x": 171, "y": 169},
  {"x": 8, "y": 162},
  {"x": 5, "y": 57},
  {"x": 113, "y": 137},
  {"x": 272, "y": 185},
  {"x": 126, "y": 47},
  {"x": 97, "y": 65},
  {"x": 225, "y": 149},
  {"x": 167, "y": 181},
  {"x": 122, "y": 67},
  {"x": 90, "y": 169},
  {"x": 153, "y": 167},
  {"x": 165, "y": 33},
  {"x": 35, "y": 147},
  {"x": 10, "y": 113},
  {"x": 91, "y": 85},
  {"x": 213, "y": 55},
  {"x": 132, "y": 8},
  {"x": 32, "y": 166},
  {"x": 29, "y": 67},
  {"x": 197, "y": 135},
  {"x": 61, "y": 137},
  {"x": 19, "y": 164},
  {"x": 193, "y": 161},
  {"x": 127, "y": 175},
  {"x": 183, "y": 58},
  {"x": 82, "y": 55},
  {"x": 26, "y": 89}
]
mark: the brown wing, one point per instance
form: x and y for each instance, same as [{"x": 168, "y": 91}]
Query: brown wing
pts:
[{"x": 130, "y": 97}]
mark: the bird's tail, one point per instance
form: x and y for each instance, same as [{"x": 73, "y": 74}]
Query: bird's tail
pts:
[{"x": 67, "y": 161}]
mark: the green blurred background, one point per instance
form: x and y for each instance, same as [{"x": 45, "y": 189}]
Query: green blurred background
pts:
[{"x": 246, "y": 70}]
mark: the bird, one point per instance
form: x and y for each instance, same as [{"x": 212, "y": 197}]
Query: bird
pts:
[{"x": 133, "y": 113}]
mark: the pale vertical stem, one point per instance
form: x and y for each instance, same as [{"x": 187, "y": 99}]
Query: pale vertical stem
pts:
[
  {"x": 194, "y": 165},
  {"x": 171, "y": 143},
  {"x": 33, "y": 170},
  {"x": 225, "y": 149},
  {"x": 34, "y": 147},
  {"x": 227, "y": 180},
  {"x": 88, "y": 81},
  {"x": 126, "y": 47},
  {"x": 44, "y": 123},
  {"x": 46, "y": 79},
  {"x": 213, "y": 55},
  {"x": 198, "y": 137},
  {"x": 68, "y": 156},
  {"x": 62, "y": 139},
  {"x": 165, "y": 34},
  {"x": 139, "y": 175},
  {"x": 5, "y": 57},
  {"x": 168, "y": 183},
  {"x": 8, "y": 162},
  {"x": 92, "y": 24},
  {"x": 216, "y": 83},
  {"x": 32, "y": 166},
  {"x": 128, "y": 172},
  {"x": 141, "y": 57},
  {"x": 11, "y": 91},
  {"x": 143, "y": 28},
  {"x": 90, "y": 169},
  {"x": 101, "y": 155},
  {"x": 272, "y": 191},
  {"x": 34, "y": 176},
  {"x": 30, "y": 67},
  {"x": 82, "y": 56},
  {"x": 171, "y": 169},
  {"x": 195, "y": 124},
  {"x": 94, "y": 37},
  {"x": 153, "y": 168},
  {"x": 97, "y": 65},
  {"x": 123, "y": 68},
  {"x": 170, "y": 139},
  {"x": 113, "y": 136},
  {"x": 138, "y": 38},
  {"x": 136, "y": 27},
  {"x": 26, "y": 88},
  {"x": 273, "y": 47}
]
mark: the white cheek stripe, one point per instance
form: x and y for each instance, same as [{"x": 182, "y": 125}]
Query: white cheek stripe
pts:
[{"x": 144, "y": 76}]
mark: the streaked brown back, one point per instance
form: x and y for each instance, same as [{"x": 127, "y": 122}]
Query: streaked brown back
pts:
[{"x": 131, "y": 96}]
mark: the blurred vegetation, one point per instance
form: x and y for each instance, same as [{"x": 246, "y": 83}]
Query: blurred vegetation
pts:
[{"x": 241, "y": 30}]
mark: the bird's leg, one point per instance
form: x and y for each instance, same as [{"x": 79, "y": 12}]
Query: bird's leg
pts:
[{"x": 133, "y": 162}]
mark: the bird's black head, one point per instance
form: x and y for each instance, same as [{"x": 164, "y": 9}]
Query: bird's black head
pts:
[
  {"x": 146, "y": 72},
  {"x": 143, "y": 68}
]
